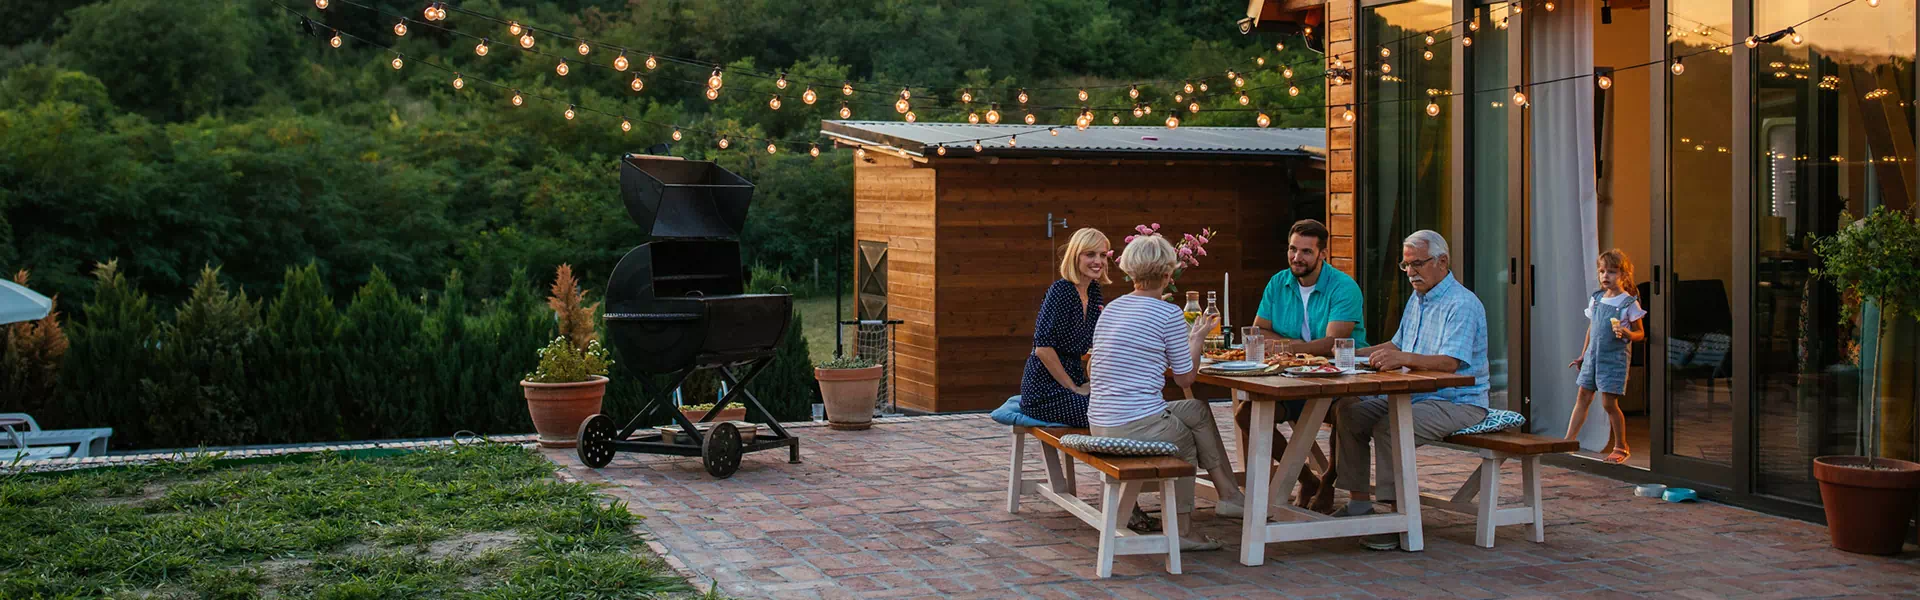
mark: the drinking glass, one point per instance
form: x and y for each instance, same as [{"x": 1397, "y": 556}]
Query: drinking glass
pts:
[
  {"x": 1343, "y": 353},
  {"x": 819, "y": 412},
  {"x": 1254, "y": 340}
]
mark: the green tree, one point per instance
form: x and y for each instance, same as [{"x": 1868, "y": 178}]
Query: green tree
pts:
[
  {"x": 166, "y": 59},
  {"x": 380, "y": 386},
  {"x": 107, "y": 355},
  {"x": 298, "y": 374},
  {"x": 196, "y": 387}
]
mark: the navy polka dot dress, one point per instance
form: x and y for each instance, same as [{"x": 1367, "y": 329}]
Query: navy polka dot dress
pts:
[{"x": 1064, "y": 328}]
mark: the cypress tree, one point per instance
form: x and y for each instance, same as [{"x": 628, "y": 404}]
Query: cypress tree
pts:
[
  {"x": 197, "y": 391},
  {"x": 301, "y": 362},
  {"x": 383, "y": 367},
  {"x": 107, "y": 354}
]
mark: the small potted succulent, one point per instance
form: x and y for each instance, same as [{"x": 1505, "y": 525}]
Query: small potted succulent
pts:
[
  {"x": 1868, "y": 498},
  {"x": 571, "y": 378},
  {"x": 849, "y": 387}
]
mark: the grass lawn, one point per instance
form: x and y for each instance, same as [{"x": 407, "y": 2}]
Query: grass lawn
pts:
[
  {"x": 478, "y": 521},
  {"x": 818, "y": 321}
]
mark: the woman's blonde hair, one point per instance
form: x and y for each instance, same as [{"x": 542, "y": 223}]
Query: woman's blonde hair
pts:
[
  {"x": 1082, "y": 241},
  {"x": 1149, "y": 258},
  {"x": 1618, "y": 260}
]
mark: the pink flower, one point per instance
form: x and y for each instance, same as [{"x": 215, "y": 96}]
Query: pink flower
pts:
[
  {"x": 1185, "y": 252},
  {"x": 1202, "y": 238},
  {"x": 1129, "y": 240},
  {"x": 1201, "y": 251},
  {"x": 1142, "y": 229},
  {"x": 1156, "y": 226}
]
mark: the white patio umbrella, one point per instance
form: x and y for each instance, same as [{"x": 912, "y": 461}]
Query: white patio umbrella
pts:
[{"x": 17, "y": 303}]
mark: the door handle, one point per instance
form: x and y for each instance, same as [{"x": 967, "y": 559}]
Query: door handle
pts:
[{"x": 1533, "y": 287}]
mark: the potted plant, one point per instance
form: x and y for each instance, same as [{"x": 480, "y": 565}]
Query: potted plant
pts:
[
  {"x": 570, "y": 380},
  {"x": 693, "y": 412},
  {"x": 849, "y": 387},
  {"x": 1868, "y": 499}
]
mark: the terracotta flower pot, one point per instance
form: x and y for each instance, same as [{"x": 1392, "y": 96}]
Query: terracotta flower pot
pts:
[
  {"x": 1867, "y": 508},
  {"x": 558, "y": 408},
  {"x": 849, "y": 395}
]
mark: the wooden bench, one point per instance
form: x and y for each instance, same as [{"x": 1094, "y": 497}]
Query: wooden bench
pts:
[
  {"x": 1122, "y": 478},
  {"x": 1495, "y": 448}
]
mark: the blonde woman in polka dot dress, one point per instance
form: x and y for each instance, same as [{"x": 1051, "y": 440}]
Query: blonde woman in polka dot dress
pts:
[{"x": 1054, "y": 387}]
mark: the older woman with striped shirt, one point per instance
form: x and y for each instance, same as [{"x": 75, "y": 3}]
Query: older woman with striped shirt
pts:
[{"x": 1140, "y": 338}]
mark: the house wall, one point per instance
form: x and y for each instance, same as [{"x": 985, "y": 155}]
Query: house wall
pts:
[
  {"x": 893, "y": 204},
  {"x": 1340, "y": 136}
]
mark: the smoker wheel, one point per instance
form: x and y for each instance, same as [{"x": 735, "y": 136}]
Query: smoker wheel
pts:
[
  {"x": 595, "y": 442},
  {"x": 721, "y": 452}
]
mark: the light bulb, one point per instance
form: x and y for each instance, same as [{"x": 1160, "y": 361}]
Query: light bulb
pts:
[
  {"x": 911, "y": 118},
  {"x": 513, "y": 27},
  {"x": 1137, "y": 113},
  {"x": 676, "y": 134},
  {"x": 636, "y": 84},
  {"x": 1384, "y": 52},
  {"x": 1287, "y": 72},
  {"x": 459, "y": 83},
  {"x": 335, "y": 40},
  {"x": 973, "y": 118},
  {"x": 1259, "y": 61},
  {"x": 480, "y": 48},
  {"x": 1293, "y": 90},
  {"x": 626, "y": 126},
  {"x": 1797, "y": 38},
  {"x": 397, "y": 64},
  {"x": 966, "y": 96},
  {"x": 1263, "y": 120},
  {"x": 1520, "y": 99},
  {"x": 1244, "y": 100},
  {"x": 620, "y": 62},
  {"x": 724, "y": 143},
  {"x": 1386, "y": 68},
  {"x": 517, "y": 100},
  {"x": 1502, "y": 24},
  {"x": 526, "y": 41},
  {"x": 1678, "y": 68},
  {"x": 1133, "y": 92},
  {"x": 714, "y": 81},
  {"x": 713, "y": 94},
  {"x": 845, "y": 113},
  {"x": 1433, "y": 109},
  {"x": 1427, "y": 54},
  {"x": 321, "y": 4},
  {"x": 652, "y": 63},
  {"x": 583, "y": 48},
  {"x": 439, "y": 14},
  {"x": 860, "y": 153},
  {"x": 1029, "y": 119},
  {"x": 400, "y": 29},
  {"x": 977, "y": 147},
  {"x": 1466, "y": 40},
  {"x": 1146, "y": 108},
  {"x": 1013, "y": 141},
  {"x": 1549, "y": 7},
  {"x": 1873, "y": 3},
  {"x": 940, "y": 150},
  {"x": 1188, "y": 88},
  {"x": 1179, "y": 97},
  {"x": 781, "y": 83},
  {"x": 1604, "y": 82},
  {"x": 1473, "y": 25},
  {"x": 1083, "y": 95},
  {"x": 1023, "y": 96},
  {"x": 808, "y": 96},
  {"x": 429, "y": 13},
  {"x": 774, "y": 103},
  {"x": 562, "y": 68},
  {"x": 906, "y": 94},
  {"x": 1280, "y": 46},
  {"x": 993, "y": 116},
  {"x": 1203, "y": 87},
  {"x": 813, "y": 150},
  {"x": 1347, "y": 115},
  {"x": 1116, "y": 119},
  {"x": 1239, "y": 82},
  {"x": 901, "y": 106},
  {"x": 1429, "y": 40},
  {"x": 1517, "y": 7},
  {"x": 569, "y": 113},
  {"x": 772, "y": 148},
  {"x": 1193, "y": 107},
  {"x": 1753, "y": 41},
  {"x": 1173, "y": 122},
  {"x": 1085, "y": 121},
  {"x": 846, "y": 89}
]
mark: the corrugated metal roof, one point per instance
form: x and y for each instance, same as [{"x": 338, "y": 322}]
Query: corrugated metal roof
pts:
[{"x": 1098, "y": 141}]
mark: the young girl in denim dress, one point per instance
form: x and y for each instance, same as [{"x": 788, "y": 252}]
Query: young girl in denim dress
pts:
[{"x": 1613, "y": 324}]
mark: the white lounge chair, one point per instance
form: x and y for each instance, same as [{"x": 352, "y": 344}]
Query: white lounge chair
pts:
[
  {"x": 85, "y": 442},
  {"x": 10, "y": 455}
]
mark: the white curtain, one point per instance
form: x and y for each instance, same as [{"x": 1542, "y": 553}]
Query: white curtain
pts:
[{"x": 1565, "y": 233}]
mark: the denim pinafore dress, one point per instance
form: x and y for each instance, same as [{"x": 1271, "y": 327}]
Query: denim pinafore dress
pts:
[{"x": 1605, "y": 366}]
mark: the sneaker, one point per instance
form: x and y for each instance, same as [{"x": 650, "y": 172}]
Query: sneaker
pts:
[
  {"x": 1347, "y": 511},
  {"x": 1142, "y": 522},
  {"x": 1384, "y": 541},
  {"x": 1231, "y": 510},
  {"x": 1206, "y": 545}
]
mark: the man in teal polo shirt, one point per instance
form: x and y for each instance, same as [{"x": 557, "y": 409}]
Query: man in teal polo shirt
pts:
[{"x": 1308, "y": 306}]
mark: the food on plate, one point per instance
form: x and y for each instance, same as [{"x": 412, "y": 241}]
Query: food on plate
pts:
[
  {"x": 1296, "y": 360},
  {"x": 1322, "y": 369},
  {"x": 1226, "y": 354}
]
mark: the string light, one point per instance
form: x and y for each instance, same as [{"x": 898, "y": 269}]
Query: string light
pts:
[
  {"x": 1023, "y": 96},
  {"x": 1427, "y": 54},
  {"x": 397, "y": 63},
  {"x": 1203, "y": 87},
  {"x": 942, "y": 150},
  {"x": 1054, "y": 132},
  {"x": 1287, "y": 72},
  {"x": 513, "y": 27},
  {"x": 478, "y": 49},
  {"x": 1239, "y": 82},
  {"x": 1384, "y": 52},
  {"x": 517, "y": 100},
  {"x": 1753, "y": 41},
  {"x": 335, "y": 40},
  {"x": 1179, "y": 98},
  {"x": 1795, "y": 36},
  {"x": 1678, "y": 67},
  {"x": 1244, "y": 100},
  {"x": 724, "y": 143},
  {"x": 1085, "y": 120},
  {"x": 1604, "y": 82},
  {"x": 569, "y": 113},
  {"x": 1013, "y": 141},
  {"x": 320, "y": 4},
  {"x": 966, "y": 96},
  {"x": 977, "y": 147},
  {"x": 774, "y": 103},
  {"x": 1519, "y": 97},
  {"x": 910, "y": 117},
  {"x": 1133, "y": 92},
  {"x": 1173, "y": 122},
  {"x": 1137, "y": 112},
  {"x": 1280, "y": 46},
  {"x": 1263, "y": 120},
  {"x": 1293, "y": 90},
  {"x": 459, "y": 83},
  {"x": 526, "y": 40},
  {"x": 1549, "y": 7},
  {"x": 714, "y": 81},
  {"x": 813, "y": 150},
  {"x": 993, "y": 114},
  {"x": 1083, "y": 95},
  {"x": 1188, "y": 88},
  {"x": 1347, "y": 115},
  {"x": 860, "y": 153},
  {"x": 1466, "y": 40},
  {"x": 652, "y": 63},
  {"x": 1029, "y": 119},
  {"x": 1473, "y": 25},
  {"x": 1193, "y": 107},
  {"x": 846, "y": 88},
  {"x": 400, "y": 29},
  {"x": 676, "y": 134},
  {"x": 1116, "y": 119},
  {"x": 845, "y": 113},
  {"x": 636, "y": 84},
  {"x": 781, "y": 83},
  {"x": 620, "y": 62},
  {"x": 562, "y": 68},
  {"x": 1873, "y": 3},
  {"x": 771, "y": 148},
  {"x": 713, "y": 94},
  {"x": 1433, "y": 109},
  {"x": 1430, "y": 39},
  {"x": 906, "y": 94},
  {"x": 1386, "y": 68},
  {"x": 1259, "y": 61},
  {"x": 901, "y": 106},
  {"x": 625, "y": 125},
  {"x": 808, "y": 96},
  {"x": 973, "y": 118},
  {"x": 583, "y": 49}
]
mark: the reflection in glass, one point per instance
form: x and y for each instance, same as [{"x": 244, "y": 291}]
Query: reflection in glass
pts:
[
  {"x": 1831, "y": 131},
  {"x": 1699, "y": 280},
  {"x": 1486, "y": 241},
  {"x": 1406, "y": 151}
]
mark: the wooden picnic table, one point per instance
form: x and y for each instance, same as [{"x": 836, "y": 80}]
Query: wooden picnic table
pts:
[{"x": 1264, "y": 393}]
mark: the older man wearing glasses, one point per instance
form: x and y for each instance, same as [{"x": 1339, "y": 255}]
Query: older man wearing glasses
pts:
[{"x": 1444, "y": 328}]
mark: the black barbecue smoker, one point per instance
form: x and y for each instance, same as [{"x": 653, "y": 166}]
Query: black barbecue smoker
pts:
[{"x": 677, "y": 304}]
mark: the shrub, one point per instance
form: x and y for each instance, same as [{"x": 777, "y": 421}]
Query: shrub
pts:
[
  {"x": 571, "y": 312},
  {"x": 108, "y": 353},
  {"x": 561, "y": 362},
  {"x": 847, "y": 362},
  {"x": 787, "y": 387},
  {"x": 298, "y": 372},
  {"x": 382, "y": 371},
  {"x": 197, "y": 389},
  {"x": 30, "y": 361}
]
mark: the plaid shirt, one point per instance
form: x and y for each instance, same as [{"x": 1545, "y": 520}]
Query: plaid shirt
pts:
[{"x": 1448, "y": 320}]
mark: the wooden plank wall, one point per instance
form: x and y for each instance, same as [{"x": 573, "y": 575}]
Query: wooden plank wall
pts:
[
  {"x": 994, "y": 261},
  {"x": 1340, "y": 136},
  {"x": 893, "y": 204}
]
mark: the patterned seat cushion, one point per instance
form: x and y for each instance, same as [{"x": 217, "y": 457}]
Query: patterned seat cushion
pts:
[
  {"x": 1117, "y": 446},
  {"x": 1496, "y": 420}
]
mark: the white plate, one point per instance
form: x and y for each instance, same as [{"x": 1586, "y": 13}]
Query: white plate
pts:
[{"x": 1240, "y": 365}]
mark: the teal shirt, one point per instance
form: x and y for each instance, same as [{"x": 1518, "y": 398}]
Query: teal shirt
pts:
[{"x": 1335, "y": 298}]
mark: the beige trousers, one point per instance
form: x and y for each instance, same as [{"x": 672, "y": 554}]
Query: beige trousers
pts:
[
  {"x": 1364, "y": 420},
  {"x": 1189, "y": 425}
]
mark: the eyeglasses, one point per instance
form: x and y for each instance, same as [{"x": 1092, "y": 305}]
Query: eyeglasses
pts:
[{"x": 1415, "y": 264}]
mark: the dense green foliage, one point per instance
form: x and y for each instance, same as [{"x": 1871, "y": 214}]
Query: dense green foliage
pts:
[
  {"x": 206, "y": 147},
  {"x": 476, "y": 521}
]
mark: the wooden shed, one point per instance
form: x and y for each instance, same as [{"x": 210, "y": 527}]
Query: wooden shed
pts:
[{"x": 961, "y": 245}]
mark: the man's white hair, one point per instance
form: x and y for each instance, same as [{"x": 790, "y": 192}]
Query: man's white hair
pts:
[{"x": 1428, "y": 240}]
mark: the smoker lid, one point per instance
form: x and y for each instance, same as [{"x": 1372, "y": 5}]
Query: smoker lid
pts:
[{"x": 671, "y": 198}]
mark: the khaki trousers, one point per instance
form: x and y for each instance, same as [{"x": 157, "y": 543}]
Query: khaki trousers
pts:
[
  {"x": 1189, "y": 425},
  {"x": 1364, "y": 420}
]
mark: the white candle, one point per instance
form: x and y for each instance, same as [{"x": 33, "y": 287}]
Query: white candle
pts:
[{"x": 1226, "y": 290}]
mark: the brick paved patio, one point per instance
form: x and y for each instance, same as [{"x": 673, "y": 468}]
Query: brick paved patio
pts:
[{"x": 915, "y": 508}]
